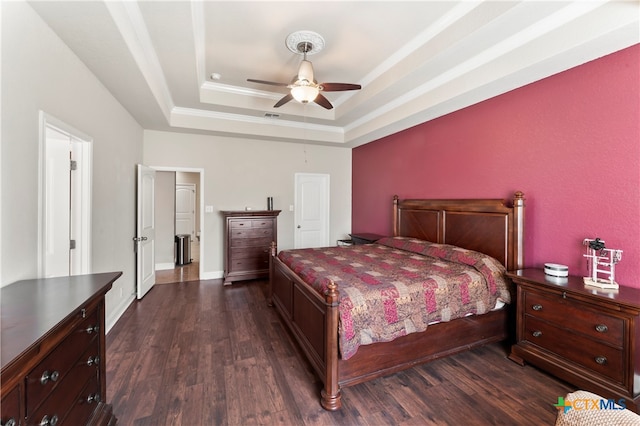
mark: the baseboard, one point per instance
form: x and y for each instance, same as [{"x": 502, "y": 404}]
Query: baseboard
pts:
[
  {"x": 164, "y": 266},
  {"x": 214, "y": 275},
  {"x": 111, "y": 320}
]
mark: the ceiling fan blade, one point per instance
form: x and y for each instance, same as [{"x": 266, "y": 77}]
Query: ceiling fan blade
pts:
[
  {"x": 284, "y": 100},
  {"x": 272, "y": 83},
  {"x": 323, "y": 102},
  {"x": 338, "y": 87}
]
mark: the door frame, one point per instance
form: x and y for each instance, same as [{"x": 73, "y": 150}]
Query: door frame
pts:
[
  {"x": 191, "y": 186},
  {"x": 201, "y": 207},
  {"x": 83, "y": 148}
]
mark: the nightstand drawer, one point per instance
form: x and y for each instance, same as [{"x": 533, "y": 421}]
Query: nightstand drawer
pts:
[
  {"x": 576, "y": 316},
  {"x": 589, "y": 353}
]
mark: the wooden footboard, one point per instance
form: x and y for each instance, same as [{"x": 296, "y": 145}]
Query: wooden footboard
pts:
[{"x": 313, "y": 320}]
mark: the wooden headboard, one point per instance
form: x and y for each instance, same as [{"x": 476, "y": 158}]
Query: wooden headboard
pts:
[{"x": 490, "y": 226}]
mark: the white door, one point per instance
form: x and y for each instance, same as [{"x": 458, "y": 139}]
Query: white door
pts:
[
  {"x": 311, "y": 210},
  {"x": 57, "y": 204},
  {"x": 64, "y": 234},
  {"x": 186, "y": 209},
  {"x": 145, "y": 231}
]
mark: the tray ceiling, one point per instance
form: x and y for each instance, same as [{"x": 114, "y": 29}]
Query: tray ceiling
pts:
[{"x": 416, "y": 60}]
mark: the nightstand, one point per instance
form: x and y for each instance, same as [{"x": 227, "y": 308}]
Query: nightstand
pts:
[
  {"x": 585, "y": 336},
  {"x": 365, "y": 238}
]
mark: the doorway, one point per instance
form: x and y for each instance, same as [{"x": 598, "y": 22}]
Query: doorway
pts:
[
  {"x": 179, "y": 209},
  {"x": 64, "y": 208}
]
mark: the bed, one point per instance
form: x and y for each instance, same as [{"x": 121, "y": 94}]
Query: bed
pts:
[{"x": 487, "y": 226}]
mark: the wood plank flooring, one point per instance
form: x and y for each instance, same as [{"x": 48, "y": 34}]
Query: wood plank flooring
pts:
[
  {"x": 200, "y": 353},
  {"x": 188, "y": 272}
]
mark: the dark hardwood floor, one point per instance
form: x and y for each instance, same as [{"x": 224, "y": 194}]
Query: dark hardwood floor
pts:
[{"x": 199, "y": 353}]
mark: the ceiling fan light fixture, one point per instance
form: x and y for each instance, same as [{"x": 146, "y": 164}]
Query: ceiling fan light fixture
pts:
[{"x": 305, "y": 94}]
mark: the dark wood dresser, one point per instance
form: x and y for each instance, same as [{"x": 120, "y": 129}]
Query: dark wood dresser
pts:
[
  {"x": 53, "y": 351},
  {"x": 248, "y": 237},
  {"x": 583, "y": 335}
]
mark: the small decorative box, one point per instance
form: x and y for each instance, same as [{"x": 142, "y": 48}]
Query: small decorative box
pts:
[{"x": 556, "y": 270}]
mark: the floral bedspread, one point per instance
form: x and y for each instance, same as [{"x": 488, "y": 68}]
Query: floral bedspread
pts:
[{"x": 400, "y": 285}]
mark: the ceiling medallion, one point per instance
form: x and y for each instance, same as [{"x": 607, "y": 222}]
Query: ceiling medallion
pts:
[{"x": 297, "y": 38}]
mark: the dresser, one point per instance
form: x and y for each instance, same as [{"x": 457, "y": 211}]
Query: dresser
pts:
[
  {"x": 248, "y": 237},
  {"x": 585, "y": 336},
  {"x": 53, "y": 351}
]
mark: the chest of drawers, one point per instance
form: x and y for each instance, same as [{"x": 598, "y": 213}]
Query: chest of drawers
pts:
[
  {"x": 248, "y": 237},
  {"x": 585, "y": 336},
  {"x": 53, "y": 351}
]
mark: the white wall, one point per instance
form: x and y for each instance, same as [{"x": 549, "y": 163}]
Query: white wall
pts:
[
  {"x": 244, "y": 172},
  {"x": 39, "y": 72}
]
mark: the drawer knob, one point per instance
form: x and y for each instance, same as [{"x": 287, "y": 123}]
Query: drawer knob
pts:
[
  {"x": 93, "y": 398},
  {"x": 92, "y": 329},
  {"x": 46, "y": 376},
  {"x": 602, "y": 328},
  {"x": 93, "y": 360},
  {"x": 49, "y": 421},
  {"x": 537, "y": 307},
  {"x": 602, "y": 360},
  {"x": 537, "y": 333},
  {"x": 10, "y": 422}
]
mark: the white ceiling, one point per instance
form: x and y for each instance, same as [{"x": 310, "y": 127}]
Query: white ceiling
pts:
[{"x": 416, "y": 60}]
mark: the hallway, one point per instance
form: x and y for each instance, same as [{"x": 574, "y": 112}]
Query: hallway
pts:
[{"x": 179, "y": 274}]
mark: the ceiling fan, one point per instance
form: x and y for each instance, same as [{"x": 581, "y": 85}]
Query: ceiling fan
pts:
[{"x": 303, "y": 87}]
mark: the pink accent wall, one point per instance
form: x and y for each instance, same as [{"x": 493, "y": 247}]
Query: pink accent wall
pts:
[{"x": 570, "y": 142}]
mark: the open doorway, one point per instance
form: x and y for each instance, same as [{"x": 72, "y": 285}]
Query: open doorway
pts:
[{"x": 178, "y": 214}]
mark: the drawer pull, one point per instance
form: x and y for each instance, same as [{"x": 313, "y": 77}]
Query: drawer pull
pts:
[
  {"x": 537, "y": 333},
  {"x": 602, "y": 360},
  {"x": 537, "y": 307},
  {"x": 93, "y": 360},
  {"x": 92, "y": 329},
  {"x": 93, "y": 398},
  {"x": 10, "y": 422},
  {"x": 602, "y": 328},
  {"x": 46, "y": 421},
  {"x": 46, "y": 376}
]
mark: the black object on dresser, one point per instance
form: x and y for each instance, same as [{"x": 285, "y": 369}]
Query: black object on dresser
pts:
[
  {"x": 53, "y": 351},
  {"x": 586, "y": 336},
  {"x": 248, "y": 238},
  {"x": 364, "y": 238}
]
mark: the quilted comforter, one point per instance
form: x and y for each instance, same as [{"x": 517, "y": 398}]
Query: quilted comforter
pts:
[{"x": 400, "y": 285}]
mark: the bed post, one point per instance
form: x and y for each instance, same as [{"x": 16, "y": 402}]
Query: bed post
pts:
[
  {"x": 273, "y": 251},
  {"x": 518, "y": 211},
  {"x": 331, "y": 398},
  {"x": 396, "y": 216}
]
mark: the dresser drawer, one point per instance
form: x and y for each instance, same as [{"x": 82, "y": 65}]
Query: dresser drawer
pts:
[
  {"x": 52, "y": 370},
  {"x": 250, "y": 223},
  {"x": 85, "y": 403},
  {"x": 249, "y": 264},
  {"x": 250, "y": 233},
  {"x": 243, "y": 252},
  {"x": 10, "y": 407},
  {"x": 589, "y": 353},
  {"x": 572, "y": 315},
  {"x": 252, "y": 242}
]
